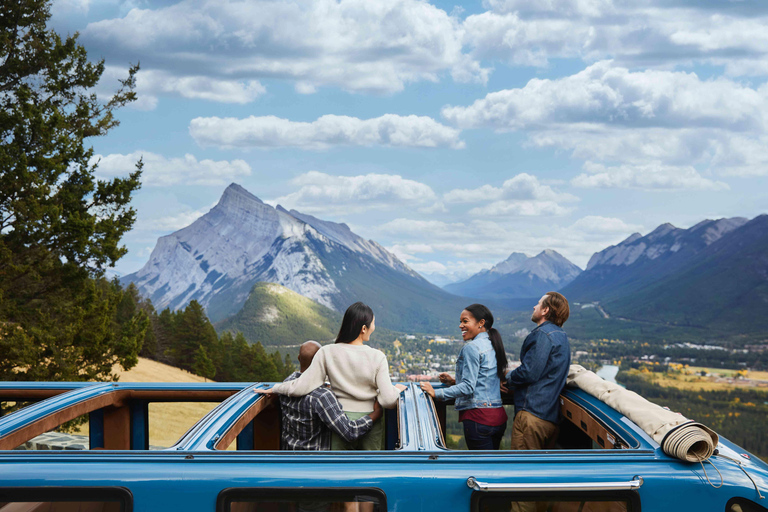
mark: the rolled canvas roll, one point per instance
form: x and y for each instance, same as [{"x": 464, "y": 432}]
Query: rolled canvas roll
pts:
[{"x": 677, "y": 435}]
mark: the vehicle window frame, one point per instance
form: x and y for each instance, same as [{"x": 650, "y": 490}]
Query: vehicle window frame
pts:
[
  {"x": 632, "y": 497},
  {"x": 625, "y": 441},
  {"x": 227, "y": 496},
  {"x": 121, "y": 495}
]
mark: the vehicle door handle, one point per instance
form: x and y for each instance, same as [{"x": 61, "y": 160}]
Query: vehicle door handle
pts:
[{"x": 632, "y": 485}]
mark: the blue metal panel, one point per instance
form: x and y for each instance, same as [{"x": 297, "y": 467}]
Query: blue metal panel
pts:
[
  {"x": 64, "y": 386},
  {"x": 245, "y": 437},
  {"x": 96, "y": 429},
  {"x": 212, "y": 426},
  {"x": 139, "y": 424},
  {"x": 41, "y": 409}
]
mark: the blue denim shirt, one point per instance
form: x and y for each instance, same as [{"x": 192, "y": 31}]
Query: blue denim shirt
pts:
[
  {"x": 537, "y": 382},
  {"x": 477, "y": 385}
]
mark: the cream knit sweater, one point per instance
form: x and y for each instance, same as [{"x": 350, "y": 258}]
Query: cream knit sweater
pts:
[{"x": 357, "y": 373}]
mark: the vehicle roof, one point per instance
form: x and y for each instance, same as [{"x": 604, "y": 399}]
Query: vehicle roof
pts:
[{"x": 418, "y": 427}]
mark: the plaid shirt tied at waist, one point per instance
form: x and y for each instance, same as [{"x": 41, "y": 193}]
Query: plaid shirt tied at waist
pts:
[{"x": 307, "y": 421}]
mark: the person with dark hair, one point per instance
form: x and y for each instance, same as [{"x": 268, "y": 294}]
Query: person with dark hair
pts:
[
  {"x": 481, "y": 365},
  {"x": 359, "y": 375},
  {"x": 309, "y": 420},
  {"x": 544, "y": 362}
]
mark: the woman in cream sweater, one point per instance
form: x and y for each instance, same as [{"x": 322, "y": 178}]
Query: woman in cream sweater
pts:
[{"x": 358, "y": 375}]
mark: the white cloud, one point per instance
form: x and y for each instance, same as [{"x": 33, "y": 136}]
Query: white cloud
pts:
[
  {"x": 406, "y": 252},
  {"x": 523, "y": 195},
  {"x": 520, "y": 209},
  {"x": 610, "y": 95},
  {"x": 357, "y": 45},
  {"x": 649, "y": 33},
  {"x": 652, "y": 176},
  {"x": 160, "y": 171},
  {"x": 176, "y": 221},
  {"x": 323, "y": 193},
  {"x": 327, "y": 131},
  {"x": 153, "y": 84},
  {"x": 650, "y": 130},
  {"x": 739, "y": 155}
]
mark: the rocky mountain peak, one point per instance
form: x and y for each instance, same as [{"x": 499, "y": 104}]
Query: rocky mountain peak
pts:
[
  {"x": 660, "y": 232},
  {"x": 242, "y": 240},
  {"x": 234, "y": 193},
  {"x": 713, "y": 230},
  {"x": 519, "y": 276},
  {"x": 664, "y": 241},
  {"x": 510, "y": 264},
  {"x": 631, "y": 239}
]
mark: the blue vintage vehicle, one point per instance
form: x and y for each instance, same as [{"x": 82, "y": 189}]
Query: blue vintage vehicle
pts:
[{"x": 603, "y": 462}]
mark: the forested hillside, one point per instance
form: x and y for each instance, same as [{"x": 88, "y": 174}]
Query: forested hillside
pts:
[
  {"x": 275, "y": 315},
  {"x": 739, "y": 415},
  {"x": 186, "y": 339}
]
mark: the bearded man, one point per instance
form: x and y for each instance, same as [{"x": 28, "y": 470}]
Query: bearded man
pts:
[{"x": 545, "y": 359}]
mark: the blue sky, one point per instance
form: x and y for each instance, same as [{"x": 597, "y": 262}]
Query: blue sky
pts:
[{"x": 451, "y": 134}]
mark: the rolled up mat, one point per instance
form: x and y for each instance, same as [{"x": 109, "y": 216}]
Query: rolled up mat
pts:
[
  {"x": 677, "y": 435},
  {"x": 690, "y": 441}
]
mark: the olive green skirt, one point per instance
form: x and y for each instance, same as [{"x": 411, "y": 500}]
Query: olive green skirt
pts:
[{"x": 373, "y": 440}]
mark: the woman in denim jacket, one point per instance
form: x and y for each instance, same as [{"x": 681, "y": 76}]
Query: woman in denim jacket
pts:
[{"x": 481, "y": 365}]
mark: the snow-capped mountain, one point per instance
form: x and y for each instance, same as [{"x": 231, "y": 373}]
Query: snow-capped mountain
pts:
[
  {"x": 621, "y": 269},
  {"x": 519, "y": 276},
  {"x": 712, "y": 277},
  {"x": 241, "y": 241}
]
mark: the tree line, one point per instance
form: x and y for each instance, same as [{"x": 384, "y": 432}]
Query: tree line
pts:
[
  {"x": 186, "y": 339},
  {"x": 738, "y": 414}
]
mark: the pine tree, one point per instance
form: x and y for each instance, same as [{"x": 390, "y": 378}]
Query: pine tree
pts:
[
  {"x": 60, "y": 226},
  {"x": 287, "y": 366},
  {"x": 191, "y": 330},
  {"x": 203, "y": 365}
]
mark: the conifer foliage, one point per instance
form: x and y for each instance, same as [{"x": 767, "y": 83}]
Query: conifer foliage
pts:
[
  {"x": 186, "y": 339},
  {"x": 60, "y": 226}
]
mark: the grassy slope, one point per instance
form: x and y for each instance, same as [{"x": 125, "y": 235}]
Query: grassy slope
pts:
[{"x": 277, "y": 316}]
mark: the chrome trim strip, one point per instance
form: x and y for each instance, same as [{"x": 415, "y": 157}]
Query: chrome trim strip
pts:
[{"x": 632, "y": 485}]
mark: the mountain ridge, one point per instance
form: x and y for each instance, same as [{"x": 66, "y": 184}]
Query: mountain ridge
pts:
[
  {"x": 519, "y": 276},
  {"x": 242, "y": 240}
]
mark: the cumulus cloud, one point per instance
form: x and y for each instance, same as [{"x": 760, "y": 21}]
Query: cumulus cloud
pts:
[
  {"x": 323, "y": 193},
  {"x": 522, "y": 195},
  {"x": 160, "y": 171},
  {"x": 653, "y": 176},
  {"x": 153, "y": 84},
  {"x": 651, "y": 130},
  {"x": 649, "y": 32},
  {"x": 607, "y": 94},
  {"x": 357, "y": 45},
  {"x": 327, "y": 131}
]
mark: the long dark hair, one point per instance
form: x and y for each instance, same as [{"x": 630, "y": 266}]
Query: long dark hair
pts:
[
  {"x": 480, "y": 312},
  {"x": 355, "y": 317}
]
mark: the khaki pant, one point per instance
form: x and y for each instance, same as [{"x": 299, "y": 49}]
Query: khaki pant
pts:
[{"x": 532, "y": 433}]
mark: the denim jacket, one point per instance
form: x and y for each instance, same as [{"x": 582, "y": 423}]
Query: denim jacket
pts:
[
  {"x": 537, "y": 382},
  {"x": 477, "y": 385}
]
